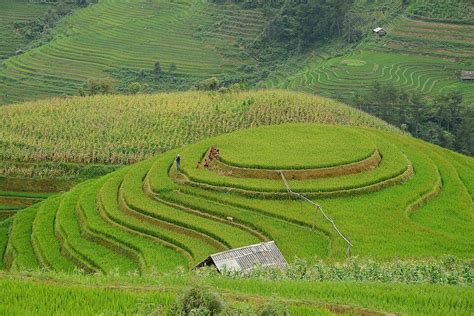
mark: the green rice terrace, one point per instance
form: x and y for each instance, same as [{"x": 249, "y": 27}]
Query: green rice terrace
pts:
[
  {"x": 46, "y": 139},
  {"x": 417, "y": 54},
  {"x": 391, "y": 195},
  {"x": 199, "y": 38},
  {"x": 428, "y": 44},
  {"x": 12, "y": 11},
  {"x": 212, "y": 198}
]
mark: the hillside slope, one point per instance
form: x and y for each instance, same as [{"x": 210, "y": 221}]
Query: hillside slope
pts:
[
  {"x": 12, "y": 11},
  {"x": 126, "y": 129},
  {"x": 418, "y": 54},
  {"x": 392, "y": 196},
  {"x": 200, "y": 39},
  {"x": 428, "y": 44}
]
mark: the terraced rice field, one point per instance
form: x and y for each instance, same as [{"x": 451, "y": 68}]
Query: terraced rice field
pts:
[
  {"x": 200, "y": 38},
  {"x": 440, "y": 9},
  {"x": 12, "y": 202},
  {"x": 12, "y": 11},
  {"x": 50, "y": 293},
  {"x": 415, "y": 56},
  {"x": 391, "y": 195},
  {"x": 127, "y": 129}
]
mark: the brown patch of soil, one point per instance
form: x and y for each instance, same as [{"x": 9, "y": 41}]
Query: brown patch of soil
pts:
[{"x": 18, "y": 201}]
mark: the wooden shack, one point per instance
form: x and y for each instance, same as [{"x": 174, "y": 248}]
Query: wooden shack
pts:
[
  {"x": 380, "y": 31},
  {"x": 263, "y": 255},
  {"x": 467, "y": 75}
]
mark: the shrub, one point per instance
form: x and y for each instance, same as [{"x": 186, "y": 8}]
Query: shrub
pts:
[
  {"x": 208, "y": 84},
  {"x": 134, "y": 87},
  {"x": 272, "y": 308},
  {"x": 95, "y": 87},
  {"x": 157, "y": 69},
  {"x": 199, "y": 300}
]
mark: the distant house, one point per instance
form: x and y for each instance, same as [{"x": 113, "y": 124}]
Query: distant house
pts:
[
  {"x": 380, "y": 31},
  {"x": 467, "y": 75},
  {"x": 19, "y": 52},
  {"x": 263, "y": 255}
]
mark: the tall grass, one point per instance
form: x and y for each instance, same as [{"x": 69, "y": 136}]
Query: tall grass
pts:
[
  {"x": 124, "y": 129},
  {"x": 52, "y": 293}
]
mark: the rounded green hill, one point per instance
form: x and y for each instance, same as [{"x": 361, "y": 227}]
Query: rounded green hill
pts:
[
  {"x": 391, "y": 195},
  {"x": 302, "y": 146}
]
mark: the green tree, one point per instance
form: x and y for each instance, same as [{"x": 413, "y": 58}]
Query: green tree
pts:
[
  {"x": 157, "y": 69},
  {"x": 209, "y": 84},
  {"x": 134, "y": 87},
  {"x": 465, "y": 132},
  {"x": 449, "y": 110},
  {"x": 172, "y": 68},
  {"x": 94, "y": 87}
]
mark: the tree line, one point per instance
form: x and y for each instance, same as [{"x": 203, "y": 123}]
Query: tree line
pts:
[{"x": 442, "y": 120}]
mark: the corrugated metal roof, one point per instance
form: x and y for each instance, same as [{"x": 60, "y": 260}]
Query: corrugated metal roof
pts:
[
  {"x": 265, "y": 254},
  {"x": 467, "y": 75}
]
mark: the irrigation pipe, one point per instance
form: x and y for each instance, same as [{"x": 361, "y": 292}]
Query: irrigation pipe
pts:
[{"x": 318, "y": 207}]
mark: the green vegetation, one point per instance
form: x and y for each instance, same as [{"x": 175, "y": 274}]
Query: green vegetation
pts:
[
  {"x": 191, "y": 40},
  {"x": 237, "y": 41},
  {"x": 439, "y": 9},
  {"x": 163, "y": 295},
  {"x": 43, "y": 238},
  {"x": 241, "y": 43},
  {"x": 392, "y": 165},
  {"x": 284, "y": 151},
  {"x": 443, "y": 121},
  {"x": 419, "y": 60},
  {"x": 448, "y": 270},
  {"x": 126, "y": 240},
  {"x": 16, "y": 11},
  {"x": 39, "y": 31},
  {"x": 123, "y": 130},
  {"x": 429, "y": 66},
  {"x": 19, "y": 254},
  {"x": 414, "y": 202}
]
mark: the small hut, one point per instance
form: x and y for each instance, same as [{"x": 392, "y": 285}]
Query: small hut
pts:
[
  {"x": 467, "y": 75},
  {"x": 263, "y": 255},
  {"x": 380, "y": 31},
  {"x": 18, "y": 52}
]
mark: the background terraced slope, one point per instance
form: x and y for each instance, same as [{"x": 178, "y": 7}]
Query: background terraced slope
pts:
[
  {"x": 428, "y": 43},
  {"x": 200, "y": 38},
  {"x": 418, "y": 54},
  {"x": 407, "y": 199},
  {"x": 12, "y": 11}
]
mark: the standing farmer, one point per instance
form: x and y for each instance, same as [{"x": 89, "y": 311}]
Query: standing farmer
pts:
[{"x": 178, "y": 163}]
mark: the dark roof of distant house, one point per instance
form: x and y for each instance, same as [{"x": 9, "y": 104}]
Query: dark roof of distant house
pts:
[
  {"x": 264, "y": 255},
  {"x": 467, "y": 75}
]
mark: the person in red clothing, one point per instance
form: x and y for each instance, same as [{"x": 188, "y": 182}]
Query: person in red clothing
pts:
[{"x": 212, "y": 152}]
